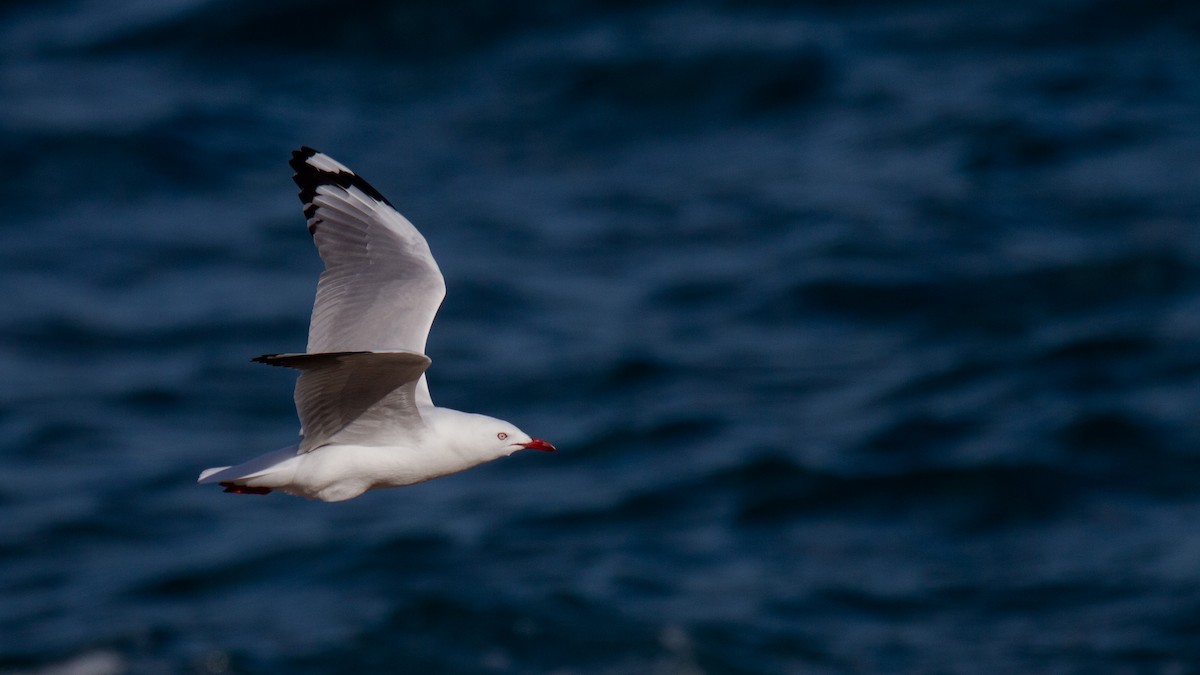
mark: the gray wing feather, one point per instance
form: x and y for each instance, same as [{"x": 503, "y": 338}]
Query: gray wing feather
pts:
[
  {"x": 354, "y": 397},
  {"x": 381, "y": 286}
]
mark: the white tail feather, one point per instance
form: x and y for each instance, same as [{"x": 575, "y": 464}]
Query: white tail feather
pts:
[
  {"x": 263, "y": 465},
  {"x": 205, "y": 474}
]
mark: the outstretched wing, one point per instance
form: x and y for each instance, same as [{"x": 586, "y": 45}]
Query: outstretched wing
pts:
[
  {"x": 381, "y": 286},
  {"x": 367, "y": 398}
]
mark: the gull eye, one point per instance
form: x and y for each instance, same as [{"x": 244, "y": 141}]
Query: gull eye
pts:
[{"x": 502, "y": 435}]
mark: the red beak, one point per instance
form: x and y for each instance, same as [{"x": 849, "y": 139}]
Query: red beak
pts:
[{"x": 538, "y": 444}]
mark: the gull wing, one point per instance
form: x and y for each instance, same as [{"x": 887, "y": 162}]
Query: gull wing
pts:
[
  {"x": 365, "y": 398},
  {"x": 381, "y": 286}
]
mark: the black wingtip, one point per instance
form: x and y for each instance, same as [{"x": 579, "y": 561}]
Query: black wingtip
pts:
[
  {"x": 300, "y": 157},
  {"x": 308, "y": 178}
]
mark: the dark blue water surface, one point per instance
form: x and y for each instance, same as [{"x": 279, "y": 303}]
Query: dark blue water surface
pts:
[{"x": 869, "y": 334}]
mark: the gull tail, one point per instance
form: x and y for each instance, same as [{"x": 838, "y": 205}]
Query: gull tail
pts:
[
  {"x": 217, "y": 473},
  {"x": 207, "y": 473},
  {"x": 255, "y": 477}
]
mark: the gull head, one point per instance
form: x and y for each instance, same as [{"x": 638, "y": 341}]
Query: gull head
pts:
[
  {"x": 481, "y": 435},
  {"x": 502, "y": 439}
]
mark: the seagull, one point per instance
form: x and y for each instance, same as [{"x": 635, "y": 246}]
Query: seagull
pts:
[{"x": 366, "y": 418}]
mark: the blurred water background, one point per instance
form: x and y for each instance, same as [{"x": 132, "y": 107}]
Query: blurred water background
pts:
[{"x": 869, "y": 333}]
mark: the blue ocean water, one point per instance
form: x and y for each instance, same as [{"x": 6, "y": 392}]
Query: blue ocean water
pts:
[{"x": 869, "y": 334}]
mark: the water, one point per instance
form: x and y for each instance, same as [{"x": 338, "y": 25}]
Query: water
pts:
[{"x": 869, "y": 335}]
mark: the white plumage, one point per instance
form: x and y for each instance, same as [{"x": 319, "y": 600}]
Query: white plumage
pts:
[{"x": 367, "y": 418}]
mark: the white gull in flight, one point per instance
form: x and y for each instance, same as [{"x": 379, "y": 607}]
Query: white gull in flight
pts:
[{"x": 366, "y": 417}]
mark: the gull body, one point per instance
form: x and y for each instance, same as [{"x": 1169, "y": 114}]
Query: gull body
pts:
[{"x": 367, "y": 418}]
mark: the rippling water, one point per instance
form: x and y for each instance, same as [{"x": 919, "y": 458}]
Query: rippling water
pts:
[{"x": 869, "y": 334}]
